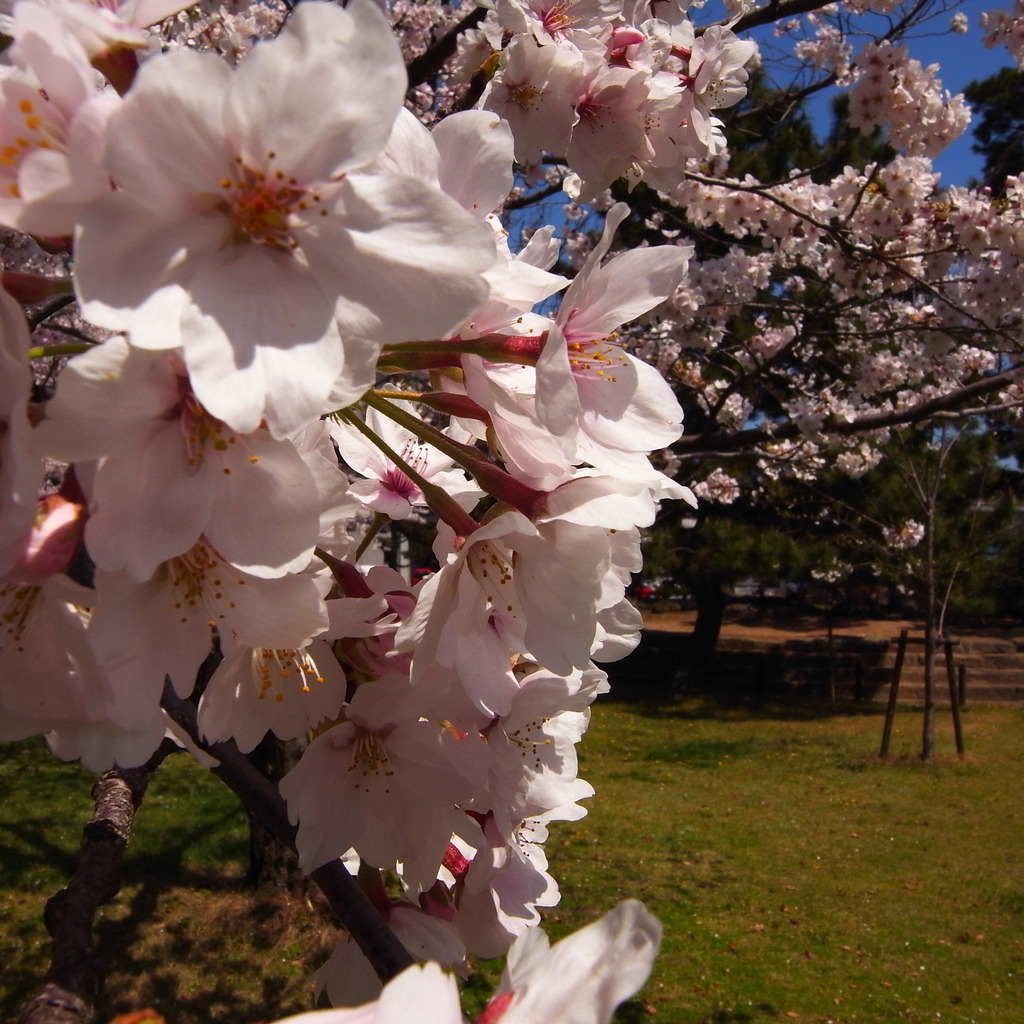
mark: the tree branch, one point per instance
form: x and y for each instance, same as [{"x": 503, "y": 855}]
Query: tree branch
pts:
[
  {"x": 708, "y": 444},
  {"x": 48, "y": 309},
  {"x": 429, "y": 63},
  {"x": 75, "y": 976},
  {"x": 777, "y": 10},
  {"x": 531, "y": 198},
  {"x": 260, "y": 797}
]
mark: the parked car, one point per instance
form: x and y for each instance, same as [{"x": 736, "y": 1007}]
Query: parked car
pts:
[{"x": 640, "y": 590}]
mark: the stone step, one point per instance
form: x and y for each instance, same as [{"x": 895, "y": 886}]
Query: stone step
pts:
[
  {"x": 968, "y": 646},
  {"x": 994, "y": 676},
  {"x": 980, "y": 693},
  {"x": 994, "y": 667},
  {"x": 989, "y": 645},
  {"x": 1004, "y": 659}
]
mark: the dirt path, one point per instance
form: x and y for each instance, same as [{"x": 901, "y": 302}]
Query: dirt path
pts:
[{"x": 757, "y": 625}]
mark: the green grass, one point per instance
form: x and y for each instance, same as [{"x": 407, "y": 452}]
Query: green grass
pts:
[
  {"x": 797, "y": 877},
  {"x": 182, "y": 936}
]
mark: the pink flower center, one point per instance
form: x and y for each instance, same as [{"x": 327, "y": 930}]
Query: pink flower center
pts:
[
  {"x": 555, "y": 18},
  {"x": 201, "y": 429},
  {"x": 264, "y": 205},
  {"x": 414, "y": 455},
  {"x": 396, "y": 482},
  {"x": 590, "y": 108}
]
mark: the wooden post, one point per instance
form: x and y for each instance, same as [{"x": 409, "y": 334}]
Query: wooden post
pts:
[
  {"x": 894, "y": 689},
  {"x": 961, "y": 671},
  {"x": 928, "y": 724},
  {"x": 954, "y": 697},
  {"x": 831, "y": 665}
]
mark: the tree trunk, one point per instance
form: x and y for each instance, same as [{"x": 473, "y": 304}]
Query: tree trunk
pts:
[
  {"x": 711, "y": 604},
  {"x": 928, "y": 730}
]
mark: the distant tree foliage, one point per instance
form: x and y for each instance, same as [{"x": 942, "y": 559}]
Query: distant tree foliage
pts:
[{"x": 998, "y": 104}]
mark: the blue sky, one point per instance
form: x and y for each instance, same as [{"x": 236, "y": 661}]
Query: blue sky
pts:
[{"x": 963, "y": 59}]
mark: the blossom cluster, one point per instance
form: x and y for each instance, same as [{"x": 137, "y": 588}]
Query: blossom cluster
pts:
[
  {"x": 896, "y": 91},
  {"x": 618, "y": 92},
  {"x": 1006, "y": 28},
  {"x": 309, "y": 323},
  {"x": 293, "y": 317},
  {"x": 917, "y": 285},
  {"x": 908, "y": 535}
]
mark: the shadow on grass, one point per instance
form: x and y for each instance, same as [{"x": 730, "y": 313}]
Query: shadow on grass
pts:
[
  {"x": 47, "y": 863},
  {"x": 728, "y": 706},
  {"x": 656, "y": 682},
  {"x": 697, "y": 753},
  {"x": 749, "y": 1015},
  {"x": 731, "y": 707},
  {"x": 31, "y": 879},
  {"x": 171, "y": 965}
]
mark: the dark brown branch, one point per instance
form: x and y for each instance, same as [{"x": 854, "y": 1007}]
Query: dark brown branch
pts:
[
  {"x": 777, "y": 10},
  {"x": 708, "y": 444},
  {"x": 424, "y": 67},
  {"x": 532, "y": 198},
  {"x": 75, "y": 976},
  {"x": 260, "y": 797},
  {"x": 48, "y": 309},
  {"x": 781, "y": 10}
]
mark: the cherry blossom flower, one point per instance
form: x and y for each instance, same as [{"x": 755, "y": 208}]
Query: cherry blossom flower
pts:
[
  {"x": 391, "y": 778},
  {"x": 535, "y": 90},
  {"x": 716, "y": 76},
  {"x": 609, "y": 126},
  {"x": 169, "y": 472},
  {"x": 259, "y": 690},
  {"x": 579, "y": 980},
  {"x": 582, "y": 24},
  {"x": 145, "y": 631},
  {"x": 498, "y": 891},
  {"x": 19, "y": 467},
  {"x": 53, "y": 119},
  {"x": 531, "y": 749},
  {"x": 245, "y": 231},
  {"x": 386, "y": 487}
]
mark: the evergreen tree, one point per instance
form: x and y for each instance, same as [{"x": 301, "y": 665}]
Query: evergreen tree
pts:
[{"x": 998, "y": 103}]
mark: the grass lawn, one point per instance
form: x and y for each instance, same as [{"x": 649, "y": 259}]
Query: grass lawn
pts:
[{"x": 797, "y": 877}]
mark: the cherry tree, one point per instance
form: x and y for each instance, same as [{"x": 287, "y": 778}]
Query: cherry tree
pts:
[{"x": 260, "y": 301}]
